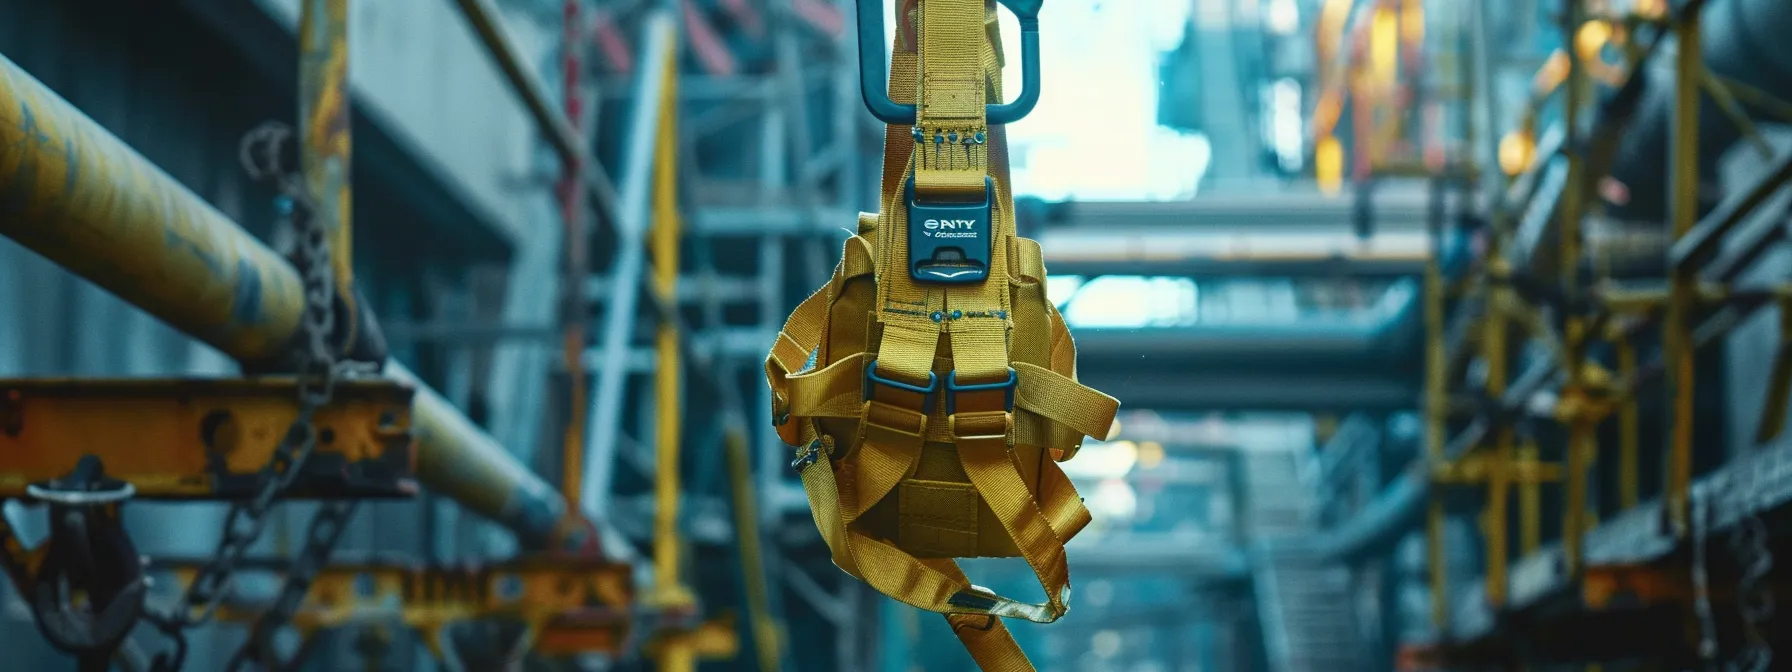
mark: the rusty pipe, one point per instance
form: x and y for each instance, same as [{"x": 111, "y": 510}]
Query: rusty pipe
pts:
[{"x": 79, "y": 196}]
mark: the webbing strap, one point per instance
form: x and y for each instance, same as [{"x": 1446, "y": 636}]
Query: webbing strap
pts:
[{"x": 936, "y": 585}]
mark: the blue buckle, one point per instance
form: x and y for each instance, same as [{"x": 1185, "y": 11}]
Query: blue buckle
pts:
[
  {"x": 950, "y": 243},
  {"x": 872, "y": 380},
  {"x": 953, "y": 388}
]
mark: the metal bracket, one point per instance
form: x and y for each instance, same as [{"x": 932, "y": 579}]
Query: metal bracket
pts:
[
  {"x": 567, "y": 603},
  {"x": 204, "y": 439}
]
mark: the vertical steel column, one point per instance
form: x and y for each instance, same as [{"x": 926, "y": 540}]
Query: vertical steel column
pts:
[
  {"x": 572, "y": 284},
  {"x": 1677, "y": 345},
  {"x": 679, "y": 654},
  {"x": 1436, "y": 405},
  {"x": 659, "y": 56},
  {"x": 325, "y": 140},
  {"x": 1629, "y": 427},
  {"x": 1580, "y": 428},
  {"x": 1499, "y": 475}
]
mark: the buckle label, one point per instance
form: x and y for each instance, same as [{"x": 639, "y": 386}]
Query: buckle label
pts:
[{"x": 949, "y": 242}]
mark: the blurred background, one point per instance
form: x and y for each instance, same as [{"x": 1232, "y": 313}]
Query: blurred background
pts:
[{"x": 1403, "y": 299}]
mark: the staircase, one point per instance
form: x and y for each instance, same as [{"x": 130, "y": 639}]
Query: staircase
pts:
[
  {"x": 1305, "y": 610},
  {"x": 1304, "y": 605}
]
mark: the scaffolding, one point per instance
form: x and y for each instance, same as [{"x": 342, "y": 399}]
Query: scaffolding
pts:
[{"x": 1595, "y": 343}]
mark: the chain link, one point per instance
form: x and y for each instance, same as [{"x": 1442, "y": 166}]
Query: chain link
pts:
[
  {"x": 317, "y": 372},
  {"x": 1701, "y": 582},
  {"x": 1754, "y": 597}
]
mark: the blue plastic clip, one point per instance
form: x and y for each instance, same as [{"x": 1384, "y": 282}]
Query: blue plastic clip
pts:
[{"x": 949, "y": 242}]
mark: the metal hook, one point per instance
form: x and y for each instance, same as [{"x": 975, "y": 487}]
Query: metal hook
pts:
[
  {"x": 90, "y": 553},
  {"x": 874, "y": 82}
]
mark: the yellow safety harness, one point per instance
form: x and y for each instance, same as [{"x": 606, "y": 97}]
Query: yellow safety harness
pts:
[{"x": 930, "y": 411}]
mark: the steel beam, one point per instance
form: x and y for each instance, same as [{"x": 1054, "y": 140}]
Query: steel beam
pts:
[
  {"x": 74, "y": 193},
  {"x": 203, "y": 439}
]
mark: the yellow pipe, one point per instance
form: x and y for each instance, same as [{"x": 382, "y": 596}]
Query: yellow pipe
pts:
[
  {"x": 324, "y": 136},
  {"x": 74, "y": 193},
  {"x": 1677, "y": 346},
  {"x": 679, "y": 653}
]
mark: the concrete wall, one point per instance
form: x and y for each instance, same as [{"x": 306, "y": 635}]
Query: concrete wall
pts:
[{"x": 419, "y": 66}]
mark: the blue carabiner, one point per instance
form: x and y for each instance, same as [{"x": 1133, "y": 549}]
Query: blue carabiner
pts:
[{"x": 874, "y": 82}]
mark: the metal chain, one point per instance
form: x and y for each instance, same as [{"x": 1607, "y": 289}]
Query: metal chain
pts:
[
  {"x": 320, "y": 541},
  {"x": 1701, "y": 583},
  {"x": 1754, "y": 597},
  {"x": 317, "y": 372}
]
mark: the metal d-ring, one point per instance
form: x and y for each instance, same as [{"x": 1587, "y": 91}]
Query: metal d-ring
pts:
[{"x": 874, "y": 83}]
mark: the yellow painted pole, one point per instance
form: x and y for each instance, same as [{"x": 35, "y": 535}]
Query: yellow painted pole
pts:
[
  {"x": 678, "y": 653},
  {"x": 1677, "y": 346},
  {"x": 573, "y": 313},
  {"x": 1580, "y": 429},
  {"x": 1530, "y": 502},
  {"x": 325, "y": 139}
]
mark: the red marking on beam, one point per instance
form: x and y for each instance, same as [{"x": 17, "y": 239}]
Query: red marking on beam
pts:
[
  {"x": 711, "y": 51},
  {"x": 611, "y": 42},
  {"x": 824, "y": 15},
  {"x": 747, "y": 16}
]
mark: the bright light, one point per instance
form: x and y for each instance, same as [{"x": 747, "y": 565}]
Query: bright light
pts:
[
  {"x": 1097, "y": 460},
  {"x": 1517, "y": 150},
  {"x": 1412, "y": 23},
  {"x": 1113, "y": 501},
  {"x": 1285, "y": 122},
  {"x": 1105, "y": 644},
  {"x": 1060, "y": 288},
  {"x": 1104, "y": 69},
  {"x": 1384, "y": 44},
  {"x": 1591, "y": 38},
  {"x": 1551, "y": 75},
  {"x": 1151, "y": 454},
  {"x": 1129, "y": 301},
  {"x": 1283, "y": 17}
]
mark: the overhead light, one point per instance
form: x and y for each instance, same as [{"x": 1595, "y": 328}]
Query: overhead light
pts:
[
  {"x": 1282, "y": 17},
  {"x": 1517, "y": 150},
  {"x": 1109, "y": 460}
]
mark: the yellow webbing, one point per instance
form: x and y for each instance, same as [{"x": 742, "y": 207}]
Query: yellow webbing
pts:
[{"x": 960, "y": 65}]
